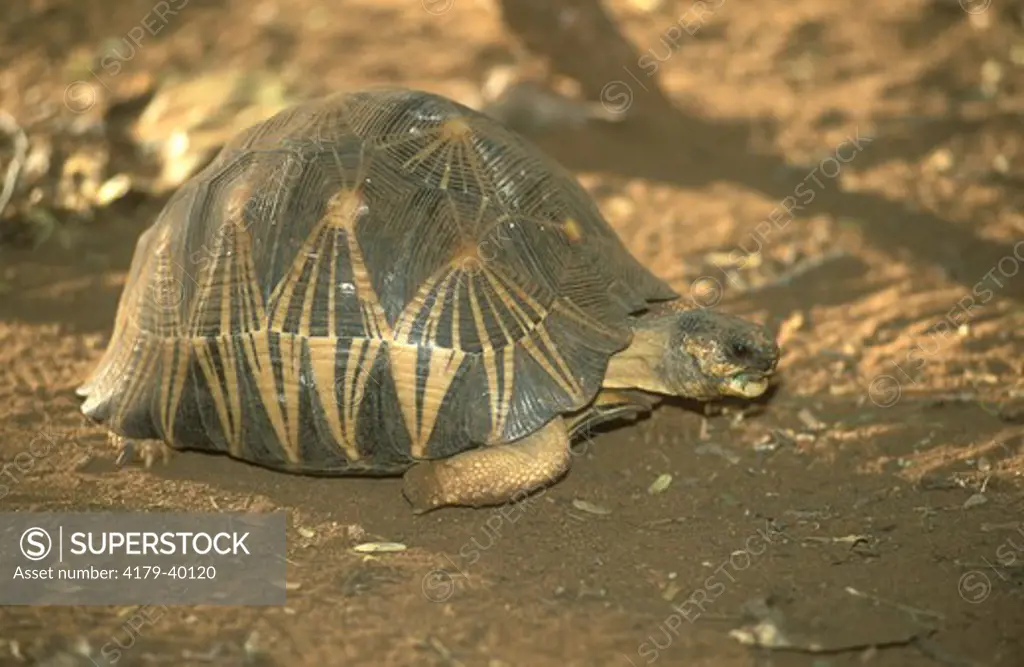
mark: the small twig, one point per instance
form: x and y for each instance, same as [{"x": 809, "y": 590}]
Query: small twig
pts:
[
  {"x": 10, "y": 126},
  {"x": 913, "y": 611},
  {"x": 661, "y": 522},
  {"x": 1012, "y": 525},
  {"x": 980, "y": 566},
  {"x": 852, "y": 540},
  {"x": 210, "y": 655},
  {"x": 443, "y": 652},
  {"x": 767, "y": 635}
]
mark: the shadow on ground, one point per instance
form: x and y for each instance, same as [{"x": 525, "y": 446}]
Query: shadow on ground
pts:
[{"x": 605, "y": 62}]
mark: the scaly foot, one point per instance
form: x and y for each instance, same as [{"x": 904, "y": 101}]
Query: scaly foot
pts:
[{"x": 491, "y": 475}]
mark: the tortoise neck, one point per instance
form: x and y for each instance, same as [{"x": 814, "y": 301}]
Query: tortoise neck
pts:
[{"x": 637, "y": 366}]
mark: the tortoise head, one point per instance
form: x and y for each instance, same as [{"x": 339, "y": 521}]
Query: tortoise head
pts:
[
  {"x": 716, "y": 354},
  {"x": 696, "y": 353}
]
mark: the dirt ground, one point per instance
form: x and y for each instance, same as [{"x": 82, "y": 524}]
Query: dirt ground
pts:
[{"x": 848, "y": 171}]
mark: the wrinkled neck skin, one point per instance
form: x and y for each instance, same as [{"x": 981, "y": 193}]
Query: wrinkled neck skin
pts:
[{"x": 652, "y": 364}]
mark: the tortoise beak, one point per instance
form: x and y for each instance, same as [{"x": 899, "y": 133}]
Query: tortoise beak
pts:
[{"x": 746, "y": 384}]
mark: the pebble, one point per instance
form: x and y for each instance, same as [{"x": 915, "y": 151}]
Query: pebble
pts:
[
  {"x": 590, "y": 508},
  {"x": 379, "y": 547},
  {"x": 660, "y": 484},
  {"x": 810, "y": 421},
  {"x": 941, "y": 160},
  {"x": 113, "y": 189},
  {"x": 991, "y": 77},
  {"x": 975, "y": 500},
  {"x": 718, "y": 450}
]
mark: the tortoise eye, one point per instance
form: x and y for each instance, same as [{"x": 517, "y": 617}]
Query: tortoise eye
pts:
[{"x": 740, "y": 350}]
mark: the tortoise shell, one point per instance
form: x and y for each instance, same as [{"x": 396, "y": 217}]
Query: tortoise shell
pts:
[{"x": 364, "y": 281}]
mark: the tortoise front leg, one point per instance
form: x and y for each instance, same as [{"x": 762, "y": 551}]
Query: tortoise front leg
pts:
[
  {"x": 610, "y": 405},
  {"x": 491, "y": 475}
]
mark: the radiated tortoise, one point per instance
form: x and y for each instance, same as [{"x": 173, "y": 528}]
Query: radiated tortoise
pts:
[{"x": 387, "y": 282}]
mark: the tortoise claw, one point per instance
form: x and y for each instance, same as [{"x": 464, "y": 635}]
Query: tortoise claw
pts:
[
  {"x": 420, "y": 487},
  {"x": 147, "y": 450}
]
